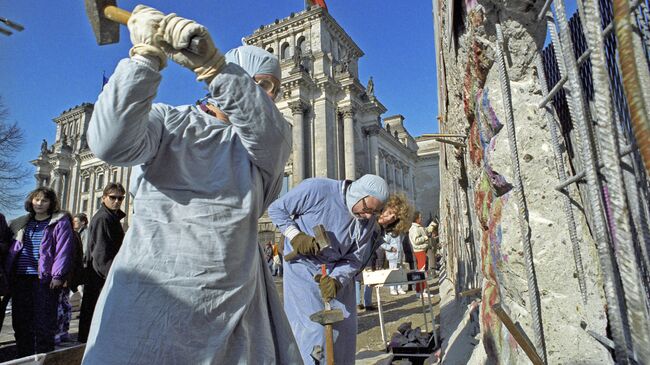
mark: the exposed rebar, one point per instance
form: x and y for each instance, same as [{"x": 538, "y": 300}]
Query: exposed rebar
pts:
[
  {"x": 524, "y": 227},
  {"x": 577, "y": 109},
  {"x": 634, "y": 291},
  {"x": 631, "y": 85},
  {"x": 562, "y": 176}
]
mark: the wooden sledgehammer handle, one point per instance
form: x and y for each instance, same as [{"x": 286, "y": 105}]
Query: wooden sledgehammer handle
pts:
[
  {"x": 197, "y": 45},
  {"x": 116, "y": 14},
  {"x": 329, "y": 331}
]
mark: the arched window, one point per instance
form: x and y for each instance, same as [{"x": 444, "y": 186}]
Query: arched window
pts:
[
  {"x": 302, "y": 45},
  {"x": 286, "y": 51}
]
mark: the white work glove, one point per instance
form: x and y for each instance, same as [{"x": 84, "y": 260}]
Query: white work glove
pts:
[
  {"x": 143, "y": 27},
  {"x": 175, "y": 34}
]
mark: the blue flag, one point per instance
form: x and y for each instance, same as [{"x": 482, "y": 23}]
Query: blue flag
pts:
[{"x": 104, "y": 79}]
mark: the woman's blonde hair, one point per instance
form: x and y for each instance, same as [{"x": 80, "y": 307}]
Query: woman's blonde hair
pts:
[{"x": 403, "y": 211}]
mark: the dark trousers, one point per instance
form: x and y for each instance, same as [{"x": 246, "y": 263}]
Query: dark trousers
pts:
[
  {"x": 92, "y": 288},
  {"x": 3, "y": 308},
  {"x": 33, "y": 315}
]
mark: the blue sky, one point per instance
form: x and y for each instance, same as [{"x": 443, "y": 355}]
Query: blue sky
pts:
[{"x": 55, "y": 63}]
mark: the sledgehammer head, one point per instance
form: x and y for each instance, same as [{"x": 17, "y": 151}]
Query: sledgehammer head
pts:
[
  {"x": 106, "y": 31},
  {"x": 327, "y": 316},
  {"x": 320, "y": 234}
]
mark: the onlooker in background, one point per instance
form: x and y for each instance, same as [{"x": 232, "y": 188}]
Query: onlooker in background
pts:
[
  {"x": 420, "y": 243},
  {"x": 104, "y": 241},
  {"x": 393, "y": 247},
  {"x": 277, "y": 260},
  {"x": 80, "y": 224},
  {"x": 40, "y": 257},
  {"x": 5, "y": 241},
  {"x": 409, "y": 259},
  {"x": 380, "y": 261},
  {"x": 268, "y": 255},
  {"x": 432, "y": 231},
  {"x": 64, "y": 309}
]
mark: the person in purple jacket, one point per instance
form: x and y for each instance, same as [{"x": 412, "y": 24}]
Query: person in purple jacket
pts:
[{"x": 39, "y": 258}]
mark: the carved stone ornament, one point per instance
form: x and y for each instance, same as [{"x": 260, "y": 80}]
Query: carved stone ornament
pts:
[{"x": 298, "y": 107}]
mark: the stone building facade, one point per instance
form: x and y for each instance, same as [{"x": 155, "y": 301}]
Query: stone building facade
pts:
[
  {"x": 336, "y": 120},
  {"x": 70, "y": 168},
  {"x": 338, "y": 130}
]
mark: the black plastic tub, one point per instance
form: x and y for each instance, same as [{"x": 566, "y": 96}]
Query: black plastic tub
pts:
[{"x": 415, "y": 354}]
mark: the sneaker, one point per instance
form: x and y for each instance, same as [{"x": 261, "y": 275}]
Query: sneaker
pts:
[
  {"x": 401, "y": 291},
  {"x": 393, "y": 292},
  {"x": 361, "y": 307},
  {"x": 371, "y": 308}
]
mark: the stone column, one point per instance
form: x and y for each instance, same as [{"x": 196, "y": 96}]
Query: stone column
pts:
[
  {"x": 298, "y": 109},
  {"x": 373, "y": 154},
  {"x": 55, "y": 184},
  {"x": 405, "y": 176},
  {"x": 415, "y": 195},
  {"x": 400, "y": 175},
  {"x": 382, "y": 164},
  {"x": 348, "y": 137},
  {"x": 325, "y": 120}
]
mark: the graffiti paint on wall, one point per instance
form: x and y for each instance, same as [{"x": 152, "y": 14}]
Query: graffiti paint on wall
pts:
[{"x": 491, "y": 194}]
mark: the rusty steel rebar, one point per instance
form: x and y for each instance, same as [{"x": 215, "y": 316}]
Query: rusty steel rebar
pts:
[
  {"x": 627, "y": 56},
  {"x": 524, "y": 224},
  {"x": 607, "y": 133},
  {"x": 567, "y": 65}
]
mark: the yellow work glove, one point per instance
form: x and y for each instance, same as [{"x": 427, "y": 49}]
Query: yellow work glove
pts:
[
  {"x": 328, "y": 286},
  {"x": 304, "y": 244},
  {"x": 143, "y": 27},
  {"x": 176, "y": 33}
]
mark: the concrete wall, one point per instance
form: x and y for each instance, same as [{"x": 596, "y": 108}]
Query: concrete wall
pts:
[{"x": 480, "y": 212}]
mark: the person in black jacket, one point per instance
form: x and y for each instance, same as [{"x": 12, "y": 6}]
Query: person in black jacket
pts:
[
  {"x": 5, "y": 242},
  {"x": 104, "y": 241},
  {"x": 409, "y": 259}
]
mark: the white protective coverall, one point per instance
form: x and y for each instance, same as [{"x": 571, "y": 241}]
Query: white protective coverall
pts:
[
  {"x": 328, "y": 202},
  {"x": 189, "y": 285}
]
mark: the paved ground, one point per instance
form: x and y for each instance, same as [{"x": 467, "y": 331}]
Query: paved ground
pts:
[{"x": 397, "y": 310}]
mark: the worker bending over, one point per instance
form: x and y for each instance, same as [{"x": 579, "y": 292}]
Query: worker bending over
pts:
[{"x": 348, "y": 211}]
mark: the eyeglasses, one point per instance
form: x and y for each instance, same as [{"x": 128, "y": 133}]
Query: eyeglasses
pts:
[
  {"x": 115, "y": 197},
  {"x": 367, "y": 210},
  {"x": 269, "y": 87}
]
